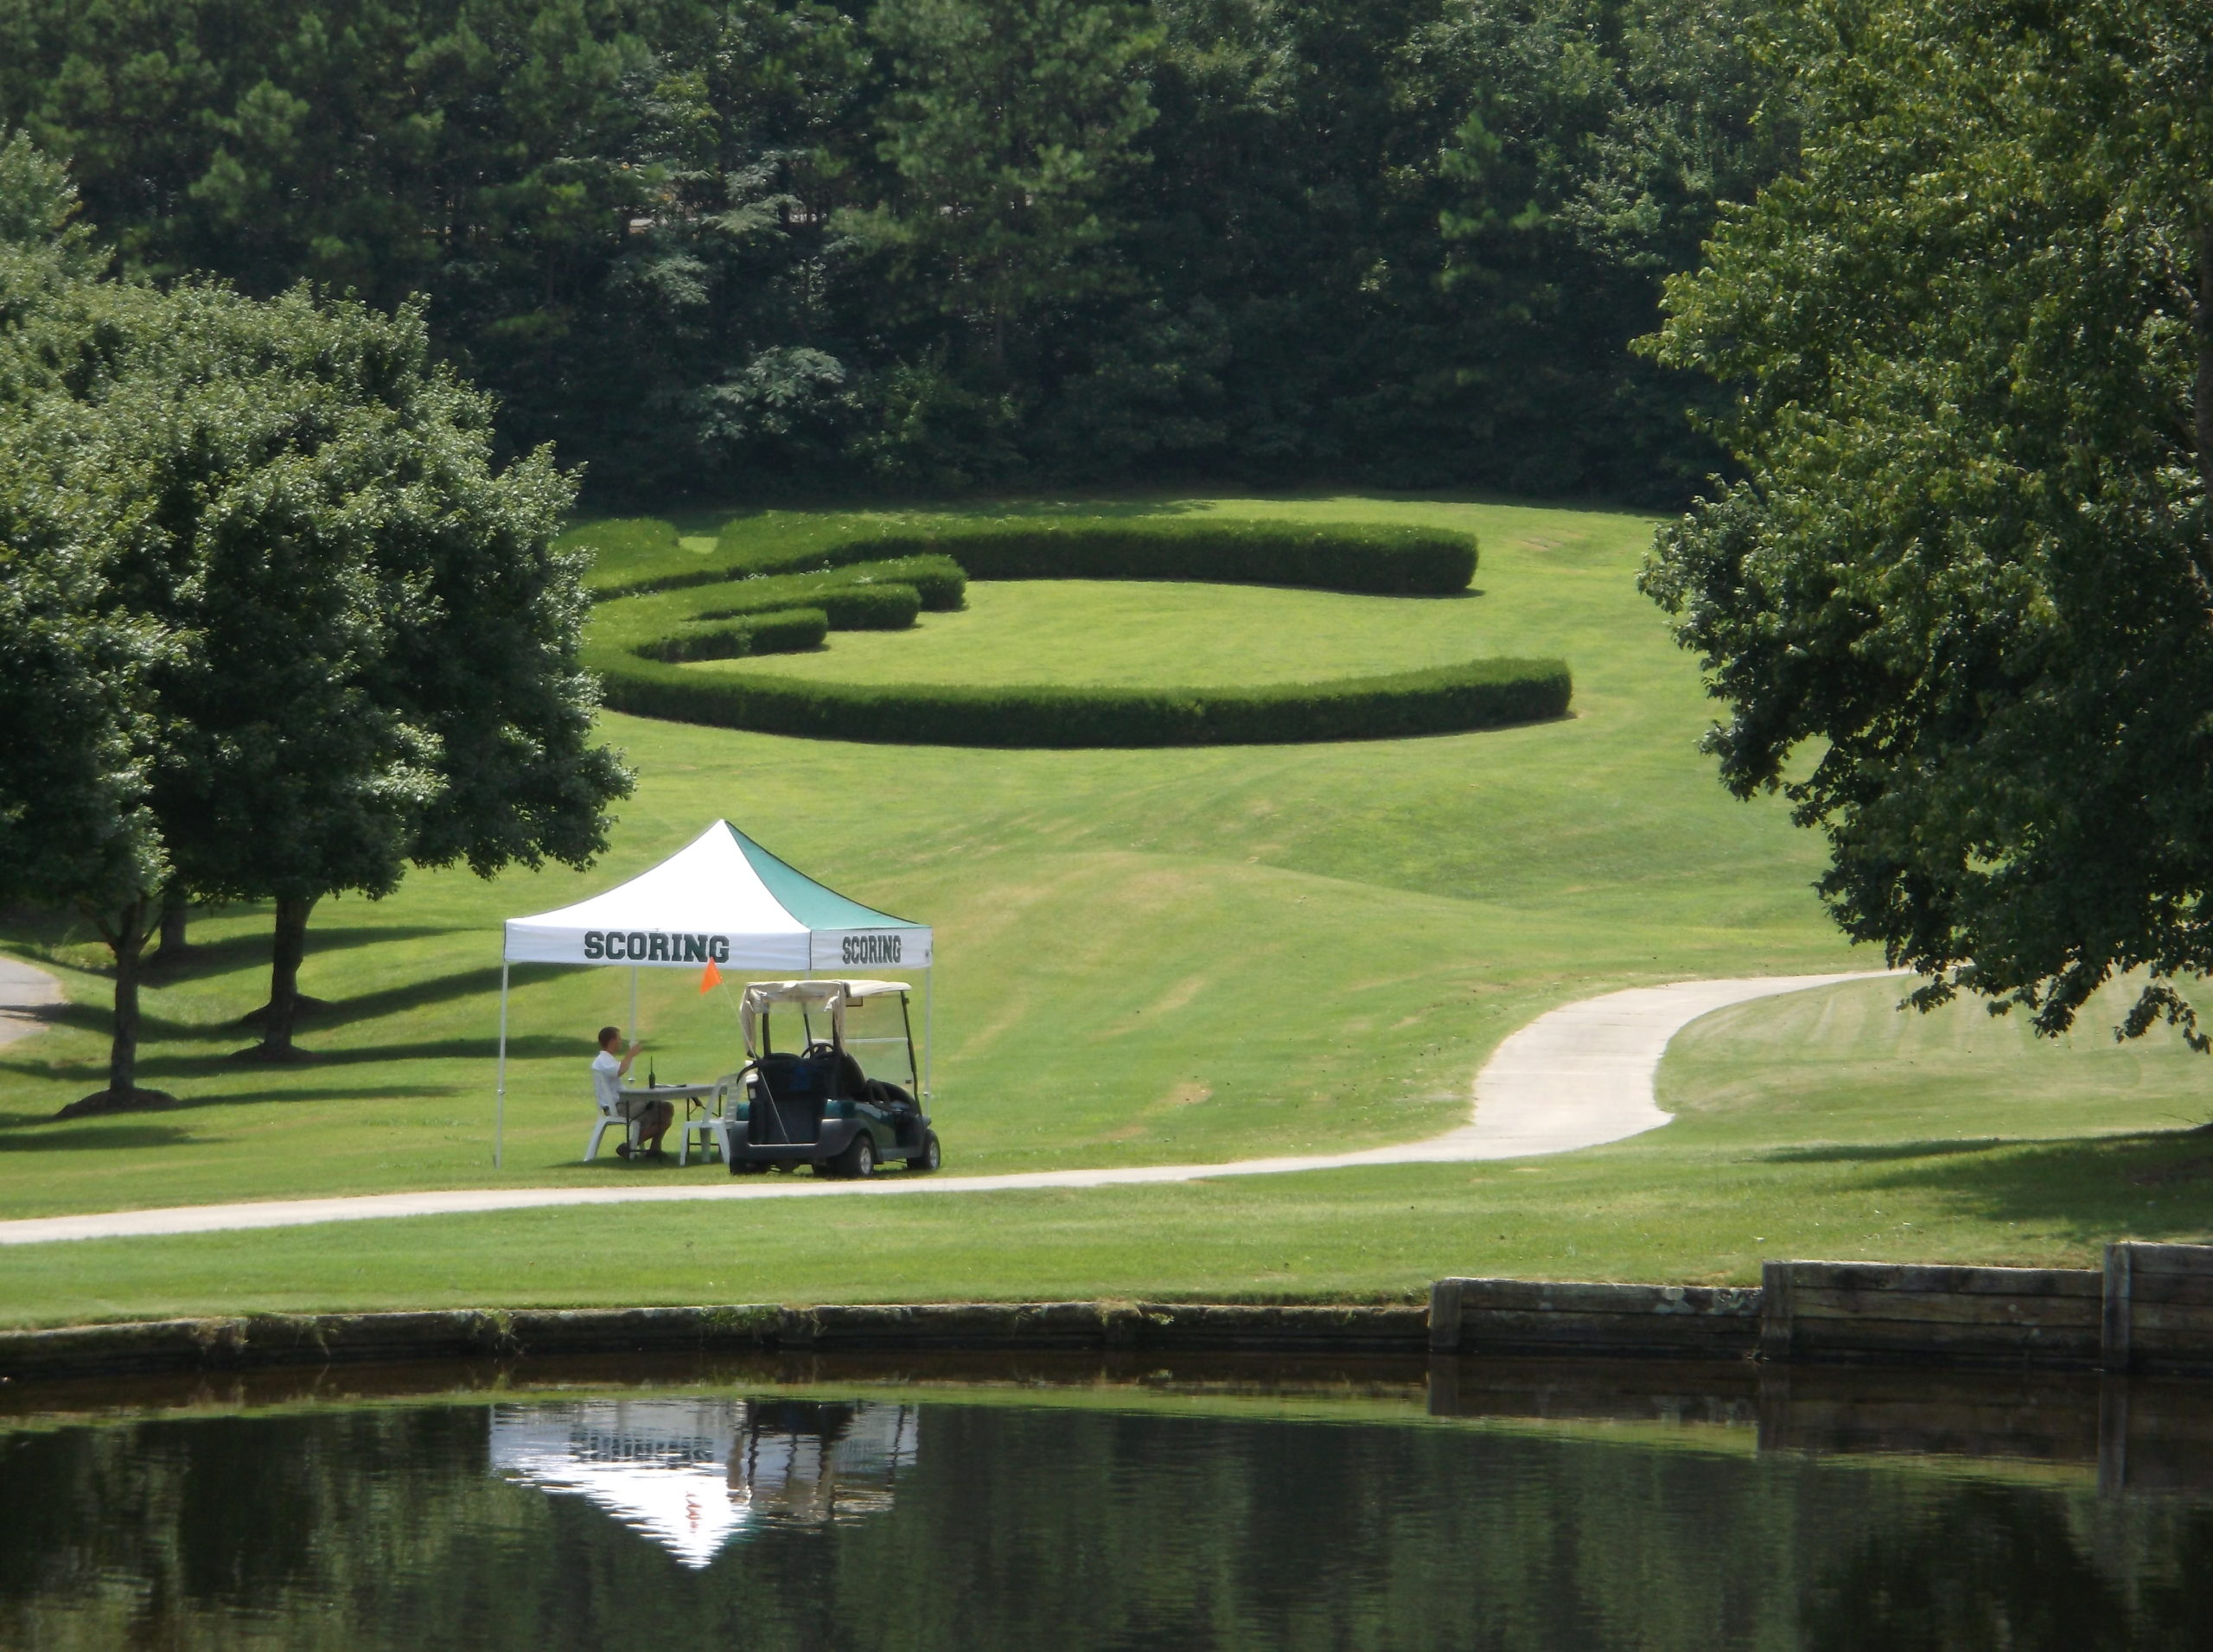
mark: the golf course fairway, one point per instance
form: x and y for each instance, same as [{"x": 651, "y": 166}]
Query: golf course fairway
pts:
[{"x": 1147, "y": 957}]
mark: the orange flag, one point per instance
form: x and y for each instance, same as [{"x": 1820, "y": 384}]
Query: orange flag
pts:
[{"x": 712, "y": 979}]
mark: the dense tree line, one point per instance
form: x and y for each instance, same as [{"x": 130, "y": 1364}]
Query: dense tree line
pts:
[{"x": 749, "y": 244}]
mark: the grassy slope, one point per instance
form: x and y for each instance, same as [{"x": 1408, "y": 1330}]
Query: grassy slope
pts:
[{"x": 1150, "y": 956}]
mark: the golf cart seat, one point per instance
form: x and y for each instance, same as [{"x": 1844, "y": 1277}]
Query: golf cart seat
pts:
[
  {"x": 852, "y": 1083},
  {"x": 887, "y": 1094}
]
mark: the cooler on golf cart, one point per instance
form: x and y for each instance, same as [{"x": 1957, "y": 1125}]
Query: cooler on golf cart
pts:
[{"x": 814, "y": 1103}]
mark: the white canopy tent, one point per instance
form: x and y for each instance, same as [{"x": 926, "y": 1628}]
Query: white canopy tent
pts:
[{"x": 724, "y": 900}]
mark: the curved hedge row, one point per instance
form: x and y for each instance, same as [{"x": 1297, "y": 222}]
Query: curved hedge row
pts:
[
  {"x": 1450, "y": 699},
  {"x": 1368, "y": 558},
  {"x": 775, "y": 591}
]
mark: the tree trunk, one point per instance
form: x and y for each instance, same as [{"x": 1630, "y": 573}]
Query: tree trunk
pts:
[
  {"x": 284, "y": 1007},
  {"x": 126, "y": 937},
  {"x": 128, "y": 942},
  {"x": 2201, "y": 394},
  {"x": 176, "y": 904}
]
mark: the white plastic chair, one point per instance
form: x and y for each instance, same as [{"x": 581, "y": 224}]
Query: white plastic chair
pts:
[
  {"x": 608, "y": 1116},
  {"x": 712, "y": 1127}
]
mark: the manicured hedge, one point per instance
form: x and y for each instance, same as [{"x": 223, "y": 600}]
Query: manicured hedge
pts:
[
  {"x": 783, "y": 631},
  {"x": 1375, "y": 558},
  {"x": 693, "y": 624},
  {"x": 1481, "y": 694},
  {"x": 774, "y": 590},
  {"x": 872, "y": 608}
]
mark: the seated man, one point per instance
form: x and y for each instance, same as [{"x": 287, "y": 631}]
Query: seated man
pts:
[{"x": 652, "y": 1116}]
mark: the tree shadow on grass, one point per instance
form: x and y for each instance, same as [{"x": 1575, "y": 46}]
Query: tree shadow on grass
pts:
[
  {"x": 2150, "y": 1185},
  {"x": 535, "y": 1046},
  {"x": 1885, "y": 1153},
  {"x": 409, "y": 995},
  {"x": 97, "y": 1019},
  {"x": 76, "y": 1137},
  {"x": 29, "y": 1132},
  {"x": 45, "y": 938},
  {"x": 251, "y": 950}
]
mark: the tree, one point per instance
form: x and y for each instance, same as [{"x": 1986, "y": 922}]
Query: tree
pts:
[
  {"x": 382, "y": 659},
  {"x": 1012, "y": 124},
  {"x": 77, "y": 826},
  {"x": 267, "y": 544},
  {"x": 1961, "y": 606},
  {"x": 264, "y": 439}
]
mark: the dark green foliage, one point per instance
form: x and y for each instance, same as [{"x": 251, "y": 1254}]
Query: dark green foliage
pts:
[
  {"x": 762, "y": 245},
  {"x": 1451, "y": 699},
  {"x": 1959, "y": 606},
  {"x": 350, "y": 644}
]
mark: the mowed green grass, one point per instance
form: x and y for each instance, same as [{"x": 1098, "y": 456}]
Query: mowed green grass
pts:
[
  {"x": 1148, "y": 957},
  {"x": 1820, "y": 1124},
  {"x": 1145, "y": 632}
]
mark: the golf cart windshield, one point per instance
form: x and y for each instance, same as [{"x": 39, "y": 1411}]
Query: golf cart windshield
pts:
[{"x": 868, "y": 1020}]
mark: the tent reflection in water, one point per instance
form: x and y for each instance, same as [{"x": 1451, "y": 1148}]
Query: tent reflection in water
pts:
[
  {"x": 722, "y": 899},
  {"x": 691, "y": 1474}
]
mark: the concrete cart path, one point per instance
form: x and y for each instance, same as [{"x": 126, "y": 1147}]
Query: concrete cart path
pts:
[
  {"x": 1574, "y": 1077},
  {"x": 24, "y": 993}
]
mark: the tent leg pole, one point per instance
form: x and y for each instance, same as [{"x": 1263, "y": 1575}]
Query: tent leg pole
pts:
[
  {"x": 499, "y": 1101},
  {"x": 634, "y": 1004},
  {"x": 929, "y": 981}
]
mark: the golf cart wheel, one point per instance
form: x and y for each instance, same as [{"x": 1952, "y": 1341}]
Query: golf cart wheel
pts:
[
  {"x": 858, "y": 1160},
  {"x": 746, "y": 1167},
  {"x": 931, "y": 1155}
]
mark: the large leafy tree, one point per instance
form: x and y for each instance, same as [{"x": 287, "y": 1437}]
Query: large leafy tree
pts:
[
  {"x": 1961, "y": 605},
  {"x": 273, "y": 606},
  {"x": 77, "y": 729},
  {"x": 381, "y": 660}
]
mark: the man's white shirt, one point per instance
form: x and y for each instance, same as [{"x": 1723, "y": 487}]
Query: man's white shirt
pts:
[{"x": 607, "y": 1078}]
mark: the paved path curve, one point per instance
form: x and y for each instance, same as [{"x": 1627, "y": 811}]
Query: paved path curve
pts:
[
  {"x": 24, "y": 993},
  {"x": 1574, "y": 1077}
]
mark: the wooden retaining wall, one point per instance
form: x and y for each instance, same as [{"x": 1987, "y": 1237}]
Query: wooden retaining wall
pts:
[
  {"x": 268, "y": 1340},
  {"x": 1889, "y": 1313},
  {"x": 1527, "y": 1316},
  {"x": 2149, "y": 1310},
  {"x": 2158, "y": 1303}
]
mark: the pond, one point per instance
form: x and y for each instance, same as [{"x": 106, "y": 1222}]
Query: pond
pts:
[{"x": 1063, "y": 1505}]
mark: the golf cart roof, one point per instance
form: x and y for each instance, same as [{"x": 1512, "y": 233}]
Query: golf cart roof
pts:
[{"x": 817, "y": 991}]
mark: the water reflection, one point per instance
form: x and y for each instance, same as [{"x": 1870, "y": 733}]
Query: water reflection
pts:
[
  {"x": 691, "y": 1474},
  {"x": 1209, "y": 1505}
]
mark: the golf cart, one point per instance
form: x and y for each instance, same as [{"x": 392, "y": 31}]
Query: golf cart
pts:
[{"x": 814, "y": 1104}]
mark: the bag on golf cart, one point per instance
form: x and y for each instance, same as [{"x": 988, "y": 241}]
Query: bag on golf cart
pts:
[{"x": 786, "y": 1093}]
